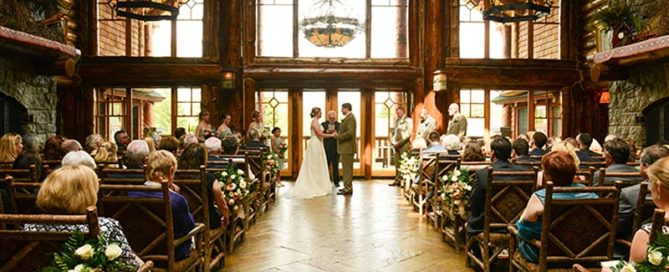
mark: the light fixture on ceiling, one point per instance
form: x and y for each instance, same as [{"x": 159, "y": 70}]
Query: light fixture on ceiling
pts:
[
  {"x": 148, "y": 10},
  {"x": 330, "y": 24},
  {"x": 508, "y": 11}
]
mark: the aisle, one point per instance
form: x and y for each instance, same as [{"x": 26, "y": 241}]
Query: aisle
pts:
[{"x": 374, "y": 230}]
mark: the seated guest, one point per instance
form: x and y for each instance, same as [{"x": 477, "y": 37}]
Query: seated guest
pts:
[
  {"x": 434, "y": 146},
  {"x": 573, "y": 143},
  {"x": 53, "y": 148},
  {"x": 596, "y": 147},
  {"x": 521, "y": 149},
  {"x": 136, "y": 155},
  {"x": 92, "y": 143},
  {"x": 179, "y": 132},
  {"x": 230, "y": 146},
  {"x": 552, "y": 141},
  {"x": 107, "y": 153},
  {"x": 254, "y": 136},
  {"x": 169, "y": 143},
  {"x": 70, "y": 190},
  {"x": 584, "y": 141},
  {"x": 474, "y": 152},
  {"x": 30, "y": 156},
  {"x": 500, "y": 154},
  {"x": 194, "y": 156},
  {"x": 80, "y": 158},
  {"x": 616, "y": 156},
  {"x": 559, "y": 168},
  {"x": 630, "y": 195},
  {"x": 610, "y": 137},
  {"x": 189, "y": 139},
  {"x": 70, "y": 145},
  {"x": 160, "y": 167},
  {"x": 452, "y": 143},
  {"x": 10, "y": 147},
  {"x": 122, "y": 139},
  {"x": 156, "y": 138},
  {"x": 658, "y": 177},
  {"x": 571, "y": 151},
  {"x": 150, "y": 143},
  {"x": 539, "y": 139},
  {"x": 214, "y": 147}
]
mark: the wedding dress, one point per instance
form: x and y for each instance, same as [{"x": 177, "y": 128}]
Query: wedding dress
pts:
[{"x": 313, "y": 179}]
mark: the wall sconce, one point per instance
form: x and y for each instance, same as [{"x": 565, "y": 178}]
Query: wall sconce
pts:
[
  {"x": 604, "y": 97},
  {"x": 439, "y": 81},
  {"x": 228, "y": 80}
]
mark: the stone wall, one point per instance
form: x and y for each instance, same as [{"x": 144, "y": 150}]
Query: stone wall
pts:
[
  {"x": 647, "y": 84},
  {"x": 19, "y": 80}
]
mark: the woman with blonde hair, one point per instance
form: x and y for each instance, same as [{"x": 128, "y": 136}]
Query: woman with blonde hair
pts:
[
  {"x": 256, "y": 123},
  {"x": 152, "y": 144},
  {"x": 203, "y": 130},
  {"x": 107, "y": 153},
  {"x": 70, "y": 190},
  {"x": 11, "y": 146},
  {"x": 160, "y": 167}
]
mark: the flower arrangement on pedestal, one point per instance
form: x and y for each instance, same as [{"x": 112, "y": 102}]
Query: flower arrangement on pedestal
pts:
[
  {"x": 234, "y": 186},
  {"x": 455, "y": 193},
  {"x": 80, "y": 255},
  {"x": 657, "y": 258},
  {"x": 408, "y": 167}
]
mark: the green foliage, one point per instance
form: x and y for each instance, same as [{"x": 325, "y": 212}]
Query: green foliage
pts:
[
  {"x": 657, "y": 258},
  {"x": 69, "y": 260},
  {"x": 616, "y": 14}
]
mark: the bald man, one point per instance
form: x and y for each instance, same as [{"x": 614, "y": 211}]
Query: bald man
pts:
[
  {"x": 457, "y": 125},
  {"x": 330, "y": 145}
]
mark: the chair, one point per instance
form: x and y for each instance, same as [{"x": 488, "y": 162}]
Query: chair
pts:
[
  {"x": 594, "y": 164},
  {"x": 445, "y": 164},
  {"x": 506, "y": 196},
  {"x": 194, "y": 187},
  {"x": 147, "y": 223},
  {"x": 50, "y": 165},
  {"x": 450, "y": 227},
  {"x": 426, "y": 176},
  {"x": 642, "y": 213},
  {"x": 587, "y": 174},
  {"x": 243, "y": 163},
  {"x": 22, "y": 194},
  {"x": 627, "y": 178},
  {"x": 30, "y": 250},
  {"x": 572, "y": 231}
]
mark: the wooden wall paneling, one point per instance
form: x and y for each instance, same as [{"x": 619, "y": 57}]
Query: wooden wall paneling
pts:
[
  {"x": 149, "y": 71},
  {"x": 367, "y": 131},
  {"x": 127, "y": 111},
  {"x": 511, "y": 73},
  {"x": 368, "y": 29},
  {"x": 295, "y": 96},
  {"x": 530, "y": 110},
  {"x": 75, "y": 118},
  {"x": 247, "y": 107},
  {"x": 415, "y": 33},
  {"x": 433, "y": 54},
  {"x": 211, "y": 23},
  {"x": 249, "y": 32},
  {"x": 89, "y": 28},
  {"x": 296, "y": 30}
]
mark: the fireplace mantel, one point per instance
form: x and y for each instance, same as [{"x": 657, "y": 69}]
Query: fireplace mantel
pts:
[
  {"x": 54, "y": 57},
  {"x": 614, "y": 64}
]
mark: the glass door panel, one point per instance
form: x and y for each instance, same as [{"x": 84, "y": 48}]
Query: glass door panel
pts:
[
  {"x": 353, "y": 97},
  {"x": 273, "y": 104},
  {"x": 385, "y": 105}
]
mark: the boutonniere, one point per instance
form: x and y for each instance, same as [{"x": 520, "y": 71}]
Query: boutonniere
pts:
[{"x": 402, "y": 121}]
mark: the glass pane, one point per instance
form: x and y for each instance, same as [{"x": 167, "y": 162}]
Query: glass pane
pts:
[
  {"x": 189, "y": 39},
  {"x": 464, "y": 109},
  {"x": 500, "y": 119},
  {"x": 189, "y": 123},
  {"x": 281, "y": 96},
  {"x": 471, "y": 40},
  {"x": 477, "y": 110},
  {"x": 311, "y": 99},
  {"x": 540, "y": 111},
  {"x": 197, "y": 94},
  {"x": 475, "y": 127},
  {"x": 161, "y": 36},
  {"x": 195, "y": 108},
  {"x": 275, "y": 30},
  {"x": 522, "y": 120},
  {"x": 183, "y": 95},
  {"x": 478, "y": 96},
  {"x": 389, "y": 32},
  {"x": 161, "y": 114},
  {"x": 353, "y": 9},
  {"x": 497, "y": 40},
  {"x": 183, "y": 109},
  {"x": 541, "y": 125},
  {"x": 464, "y": 96},
  {"x": 115, "y": 124},
  {"x": 117, "y": 109},
  {"x": 557, "y": 127}
]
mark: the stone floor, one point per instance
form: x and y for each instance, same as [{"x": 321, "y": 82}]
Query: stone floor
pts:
[{"x": 373, "y": 230}]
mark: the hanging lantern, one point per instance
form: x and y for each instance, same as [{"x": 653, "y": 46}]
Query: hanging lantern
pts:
[{"x": 507, "y": 11}]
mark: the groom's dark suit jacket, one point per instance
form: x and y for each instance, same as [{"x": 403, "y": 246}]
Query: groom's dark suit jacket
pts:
[{"x": 330, "y": 144}]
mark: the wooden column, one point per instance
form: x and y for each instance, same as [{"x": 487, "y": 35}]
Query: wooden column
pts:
[
  {"x": 295, "y": 107},
  {"x": 530, "y": 110},
  {"x": 366, "y": 129},
  {"x": 127, "y": 121},
  {"x": 433, "y": 54}
]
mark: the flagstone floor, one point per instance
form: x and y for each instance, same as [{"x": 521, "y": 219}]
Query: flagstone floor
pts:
[{"x": 375, "y": 229}]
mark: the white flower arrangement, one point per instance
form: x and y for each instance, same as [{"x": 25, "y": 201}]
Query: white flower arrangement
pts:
[
  {"x": 456, "y": 190},
  {"x": 80, "y": 255},
  {"x": 657, "y": 258}
]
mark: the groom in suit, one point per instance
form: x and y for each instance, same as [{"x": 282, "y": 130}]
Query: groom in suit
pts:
[
  {"x": 331, "y": 126},
  {"x": 346, "y": 146}
]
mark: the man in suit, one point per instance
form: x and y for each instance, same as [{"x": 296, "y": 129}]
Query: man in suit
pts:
[
  {"x": 616, "y": 155},
  {"x": 426, "y": 126},
  {"x": 401, "y": 139},
  {"x": 539, "y": 140},
  {"x": 458, "y": 123},
  {"x": 584, "y": 154},
  {"x": 520, "y": 150},
  {"x": 630, "y": 195},
  {"x": 254, "y": 136},
  {"x": 347, "y": 147},
  {"x": 330, "y": 144}
]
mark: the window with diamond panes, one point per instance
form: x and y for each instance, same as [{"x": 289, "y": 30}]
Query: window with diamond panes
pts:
[
  {"x": 188, "y": 108},
  {"x": 385, "y": 105},
  {"x": 119, "y": 36},
  {"x": 273, "y": 104}
]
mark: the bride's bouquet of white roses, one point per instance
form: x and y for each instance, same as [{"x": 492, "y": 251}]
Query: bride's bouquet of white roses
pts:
[
  {"x": 456, "y": 190},
  {"x": 80, "y": 255},
  {"x": 408, "y": 167},
  {"x": 234, "y": 186},
  {"x": 657, "y": 258}
]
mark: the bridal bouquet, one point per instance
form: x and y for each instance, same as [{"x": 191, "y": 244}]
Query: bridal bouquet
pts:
[
  {"x": 233, "y": 185},
  {"x": 80, "y": 255},
  {"x": 408, "y": 167},
  {"x": 283, "y": 147},
  {"x": 271, "y": 160},
  {"x": 456, "y": 190},
  {"x": 657, "y": 258}
]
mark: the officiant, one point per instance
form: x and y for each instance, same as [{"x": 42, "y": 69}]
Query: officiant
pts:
[{"x": 330, "y": 145}]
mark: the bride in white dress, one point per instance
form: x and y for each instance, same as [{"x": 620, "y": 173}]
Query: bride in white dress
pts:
[{"x": 313, "y": 179}]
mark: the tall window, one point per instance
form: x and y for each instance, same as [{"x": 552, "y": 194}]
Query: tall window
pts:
[
  {"x": 472, "y": 106},
  {"x": 510, "y": 40},
  {"x": 273, "y": 104},
  {"x": 120, "y": 36},
  {"x": 188, "y": 108},
  {"x": 109, "y": 111},
  {"x": 385, "y": 21}
]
